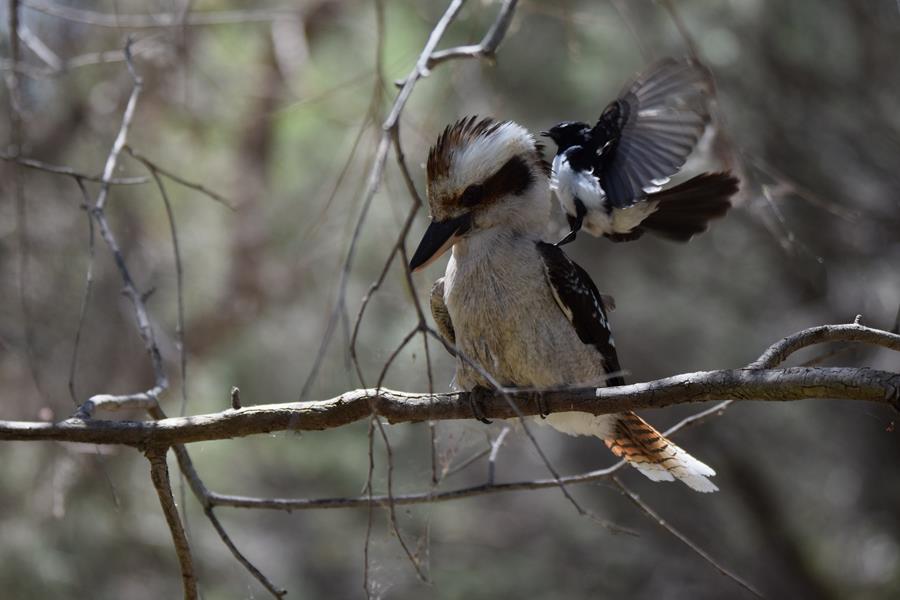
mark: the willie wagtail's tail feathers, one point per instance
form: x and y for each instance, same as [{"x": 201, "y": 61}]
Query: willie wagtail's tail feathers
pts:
[{"x": 686, "y": 209}]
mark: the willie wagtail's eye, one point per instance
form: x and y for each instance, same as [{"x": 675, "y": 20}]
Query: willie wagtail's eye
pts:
[{"x": 471, "y": 196}]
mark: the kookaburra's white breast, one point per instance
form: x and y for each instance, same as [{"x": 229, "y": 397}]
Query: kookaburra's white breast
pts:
[{"x": 506, "y": 319}]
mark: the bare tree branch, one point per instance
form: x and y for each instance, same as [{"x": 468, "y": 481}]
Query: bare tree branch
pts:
[
  {"x": 852, "y": 332},
  {"x": 478, "y": 490},
  {"x": 159, "y": 473},
  {"x": 796, "y": 383},
  {"x": 487, "y": 49}
]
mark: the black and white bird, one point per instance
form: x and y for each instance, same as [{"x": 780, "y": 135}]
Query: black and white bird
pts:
[
  {"x": 608, "y": 177},
  {"x": 516, "y": 307}
]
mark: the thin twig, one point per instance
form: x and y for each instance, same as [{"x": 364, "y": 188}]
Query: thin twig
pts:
[
  {"x": 464, "y": 464},
  {"x": 40, "y": 49},
  {"x": 370, "y": 504},
  {"x": 653, "y": 515},
  {"x": 155, "y": 169},
  {"x": 495, "y": 449},
  {"x": 373, "y": 288},
  {"x": 145, "y": 329},
  {"x": 179, "y": 282},
  {"x": 217, "y": 525},
  {"x": 86, "y": 295},
  {"x": 159, "y": 474},
  {"x": 390, "y": 460},
  {"x": 67, "y": 65},
  {"x": 363, "y": 501},
  {"x": 487, "y": 49},
  {"x": 58, "y": 170},
  {"x": 119, "y": 142}
]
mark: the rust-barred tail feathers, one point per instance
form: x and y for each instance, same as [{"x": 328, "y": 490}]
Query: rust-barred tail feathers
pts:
[{"x": 655, "y": 456}]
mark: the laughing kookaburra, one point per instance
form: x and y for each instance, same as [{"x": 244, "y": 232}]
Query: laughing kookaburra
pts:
[
  {"x": 608, "y": 178},
  {"x": 516, "y": 306}
]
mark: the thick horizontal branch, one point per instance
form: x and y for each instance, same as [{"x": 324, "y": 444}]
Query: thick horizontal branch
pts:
[{"x": 797, "y": 383}]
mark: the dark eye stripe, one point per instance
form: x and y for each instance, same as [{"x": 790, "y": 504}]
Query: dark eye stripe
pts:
[
  {"x": 513, "y": 178},
  {"x": 472, "y": 195}
]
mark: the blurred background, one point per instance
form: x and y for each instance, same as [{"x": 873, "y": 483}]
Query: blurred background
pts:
[{"x": 278, "y": 109}]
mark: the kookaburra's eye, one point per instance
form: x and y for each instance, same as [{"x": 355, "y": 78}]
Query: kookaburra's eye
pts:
[{"x": 472, "y": 195}]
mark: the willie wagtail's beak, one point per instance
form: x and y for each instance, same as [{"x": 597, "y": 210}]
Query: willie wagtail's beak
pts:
[{"x": 438, "y": 238}]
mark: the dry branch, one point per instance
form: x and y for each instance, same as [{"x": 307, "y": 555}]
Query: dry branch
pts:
[
  {"x": 159, "y": 473},
  {"x": 796, "y": 383}
]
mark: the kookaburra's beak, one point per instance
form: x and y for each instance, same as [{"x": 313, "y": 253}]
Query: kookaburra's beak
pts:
[{"x": 438, "y": 238}]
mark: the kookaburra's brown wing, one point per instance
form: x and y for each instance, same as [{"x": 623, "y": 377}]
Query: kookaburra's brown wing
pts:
[
  {"x": 441, "y": 314},
  {"x": 632, "y": 438},
  {"x": 581, "y": 302}
]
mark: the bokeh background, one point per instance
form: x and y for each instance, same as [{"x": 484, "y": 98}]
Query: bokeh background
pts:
[{"x": 279, "y": 112}]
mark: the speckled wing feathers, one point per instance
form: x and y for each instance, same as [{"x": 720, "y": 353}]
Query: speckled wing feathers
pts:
[{"x": 582, "y": 303}]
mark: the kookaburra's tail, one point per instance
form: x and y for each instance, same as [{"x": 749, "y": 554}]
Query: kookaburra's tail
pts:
[
  {"x": 655, "y": 456},
  {"x": 686, "y": 209}
]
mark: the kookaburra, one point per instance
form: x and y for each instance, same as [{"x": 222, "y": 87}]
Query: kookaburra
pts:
[
  {"x": 517, "y": 306},
  {"x": 608, "y": 177}
]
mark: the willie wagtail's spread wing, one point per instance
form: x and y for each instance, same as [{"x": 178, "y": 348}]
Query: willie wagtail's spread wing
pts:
[{"x": 645, "y": 136}]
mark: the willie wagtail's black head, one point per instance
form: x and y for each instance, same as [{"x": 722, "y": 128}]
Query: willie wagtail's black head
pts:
[{"x": 568, "y": 134}]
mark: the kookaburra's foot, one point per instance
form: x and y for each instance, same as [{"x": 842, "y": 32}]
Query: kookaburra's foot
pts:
[{"x": 476, "y": 401}]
